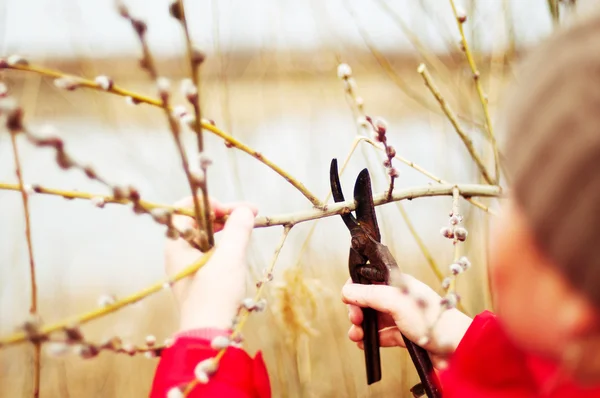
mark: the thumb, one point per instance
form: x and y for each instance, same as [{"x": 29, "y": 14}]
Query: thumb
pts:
[
  {"x": 383, "y": 298},
  {"x": 235, "y": 237}
]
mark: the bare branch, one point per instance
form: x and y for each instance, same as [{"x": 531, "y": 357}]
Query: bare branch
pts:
[
  {"x": 460, "y": 20},
  {"x": 140, "y": 98},
  {"x": 33, "y": 284},
  {"x": 452, "y": 117},
  {"x": 45, "y": 330},
  {"x": 466, "y": 190}
]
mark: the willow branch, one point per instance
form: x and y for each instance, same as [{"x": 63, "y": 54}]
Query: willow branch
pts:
[
  {"x": 460, "y": 20},
  {"x": 313, "y": 226},
  {"x": 25, "y": 199},
  {"x": 86, "y": 349},
  {"x": 389, "y": 69},
  {"x": 92, "y": 197},
  {"x": 453, "y": 120},
  {"x": 194, "y": 182},
  {"x": 363, "y": 124},
  {"x": 46, "y": 330},
  {"x": 140, "y": 98},
  {"x": 455, "y": 241},
  {"x": 33, "y": 284},
  {"x": 195, "y": 59},
  {"x": 426, "y": 173},
  {"x": 466, "y": 190}
]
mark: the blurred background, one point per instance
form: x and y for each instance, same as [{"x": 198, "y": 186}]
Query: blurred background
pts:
[{"x": 270, "y": 80}]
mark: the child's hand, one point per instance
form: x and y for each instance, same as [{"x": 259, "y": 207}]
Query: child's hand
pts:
[
  {"x": 211, "y": 297},
  {"x": 400, "y": 313}
]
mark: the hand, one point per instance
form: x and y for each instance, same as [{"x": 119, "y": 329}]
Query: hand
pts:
[
  {"x": 400, "y": 313},
  {"x": 211, "y": 297}
]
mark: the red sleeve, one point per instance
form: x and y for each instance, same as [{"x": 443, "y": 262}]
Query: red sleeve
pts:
[
  {"x": 238, "y": 376},
  {"x": 487, "y": 364}
]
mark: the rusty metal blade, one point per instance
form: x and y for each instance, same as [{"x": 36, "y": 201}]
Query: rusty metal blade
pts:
[
  {"x": 338, "y": 195},
  {"x": 365, "y": 210}
]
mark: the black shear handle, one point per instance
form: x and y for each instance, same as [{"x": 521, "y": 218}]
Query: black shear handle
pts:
[
  {"x": 418, "y": 354},
  {"x": 371, "y": 345},
  {"x": 420, "y": 358}
]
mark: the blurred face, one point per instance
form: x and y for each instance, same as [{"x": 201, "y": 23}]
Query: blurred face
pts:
[{"x": 538, "y": 308}]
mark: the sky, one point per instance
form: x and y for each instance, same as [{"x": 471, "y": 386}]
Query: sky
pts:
[{"x": 89, "y": 28}]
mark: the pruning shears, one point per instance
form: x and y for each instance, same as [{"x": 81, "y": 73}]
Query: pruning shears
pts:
[{"x": 371, "y": 262}]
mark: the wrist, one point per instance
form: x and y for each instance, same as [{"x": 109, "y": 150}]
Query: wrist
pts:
[
  {"x": 202, "y": 333},
  {"x": 205, "y": 316}
]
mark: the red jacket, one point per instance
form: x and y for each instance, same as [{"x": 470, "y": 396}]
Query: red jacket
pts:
[{"x": 485, "y": 364}]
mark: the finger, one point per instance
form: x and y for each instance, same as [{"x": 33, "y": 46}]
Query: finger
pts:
[
  {"x": 388, "y": 337},
  {"x": 183, "y": 222},
  {"x": 355, "y": 314},
  {"x": 356, "y": 333},
  {"x": 219, "y": 211},
  {"x": 225, "y": 210},
  {"x": 231, "y": 250},
  {"x": 383, "y": 298}
]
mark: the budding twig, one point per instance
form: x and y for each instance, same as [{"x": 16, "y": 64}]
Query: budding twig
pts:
[
  {"x": 313, "y": 226},
  {"x": 91, "y": 197},
  {"x": 459, "y": 264},
  {"x": 454, "y": 121},
  {"x": 120, "y": 194},
  {"x": 46, "y": 330},
  {"x": 194, "y": 181},
  {"x": 74, "y": 340},
  {"x": 33, "y": 284},
  {"x": 140, "y": 98},
  {"x": 366, "y": 126},
  {"x": 421, "y": 170},
  {"x": 192, "y": 93},
  {"x": 467, "y": 191},
  {"x": 460, "y": 20}
]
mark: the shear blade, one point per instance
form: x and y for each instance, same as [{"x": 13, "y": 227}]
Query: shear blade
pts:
[{"x": 365, "y": 209}]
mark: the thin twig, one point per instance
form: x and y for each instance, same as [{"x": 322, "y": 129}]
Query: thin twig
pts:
[
  {"x": 459, "y": 264},
  {"x": 391, "y": 73},
  {"x": 25, "y": 199},
  {"x": 46, "y": 330},
  {"x": 363, "y": 124},
  {"x": 460, "y": 20},
  {"x": 57, "y": 346},
  {"x": 127, "y": 194},
  {"x": 453, "y": 120},
  {"x": 313, "y": 226},
  {"x": 33, "y": 284},
  {"x": 194, "y": 182},
  {"x": 456, "y": 212},
  {"x": 92, "y": 197},
  {"x": 421, "y": 170},
  {"x": 195, "y": 59},
  {"x": 140, "y": 98}
]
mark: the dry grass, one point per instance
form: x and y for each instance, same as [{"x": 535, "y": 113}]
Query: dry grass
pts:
[{"x": 323, "y": 363}]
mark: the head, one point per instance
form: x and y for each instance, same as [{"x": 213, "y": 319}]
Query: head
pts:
[{"x": 546, "y": 263}]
